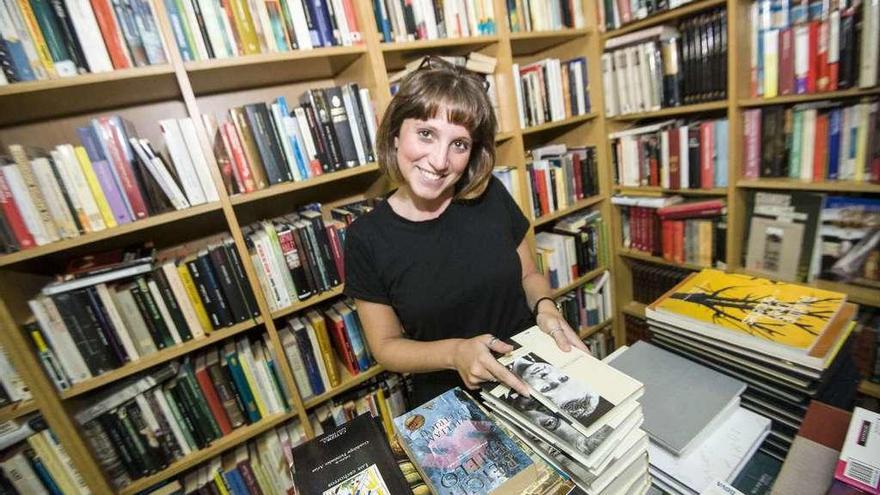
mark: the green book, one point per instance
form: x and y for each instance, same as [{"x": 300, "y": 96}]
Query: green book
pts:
[{"x": 796, "y": 138}]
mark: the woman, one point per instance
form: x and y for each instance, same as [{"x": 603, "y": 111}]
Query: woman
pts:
[{"x": 441, "y": 271}]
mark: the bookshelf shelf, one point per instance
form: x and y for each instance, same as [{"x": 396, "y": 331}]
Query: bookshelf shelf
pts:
[
  {"x": 159, "y": 357},
  {"x": 17, "y": 410},
  {"x": 219, "y": 446},
  {"x": 655, "y": 190},
  {"x": 635, "y": 308},
  {"x": 637, "y": 255},
  {"x": 870, "y": 388},
  {"x": 673, "y": 111},
  {"x": 311, "y": 301},
  {"x": 503, "y": 136},
  {"x": 558, "y": 124},
  {"x": 34, "y": 100},
  {"x": 792, "y": 99},
  {"x": 288, "y": 187},
  {"x": 348, "y": 382},
  {"x": 580, "y": 281},
  {"x": 114, "y": 232},
  {"x": 528, "y": 43},
  {"x": 666, "y": 16},
  {"x": 218, "y": 75},
  {"x": 586, "y": 332},
  {"x": 795, "y": 184},
  {"x": 415, "y": 46},
  {"x": 556, "y": 215},
  {"x": 858, "y": 294}
]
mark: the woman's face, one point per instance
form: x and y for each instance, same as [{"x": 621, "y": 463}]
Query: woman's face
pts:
[{"x": 432, "y": 155}]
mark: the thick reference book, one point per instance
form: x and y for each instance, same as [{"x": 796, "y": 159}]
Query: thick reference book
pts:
[
  {"x": 353, "y": 458},
  {"x": 457, "y": 447},
  {"x": 859, "y": 463}
]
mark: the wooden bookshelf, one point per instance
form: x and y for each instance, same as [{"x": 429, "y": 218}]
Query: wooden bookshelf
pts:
[
  {"x": 17, "y": 410},
  {"x": 580, "y": 205},
  {"x": 806, "y": 98},
  {"x": 528, "y": 43},
  {"x": 657, "y": 260},
  {"x": 307, "y": 303},
  {"x": 579, "y": 282},
  {"x": 712, "y": 106},
  {"x": 348, "y": 382},
  {"x": 659, "y": 191},
  {"x": 635, "y": 308},
  {"x": 832, "y": 186},
  {"x": 667, "y": 16},
  {"x": 586, "y": 332},
  {"x": 870, "y": 388},
  {"x": 558, "y": 124},
  {"x": 289, "y": 187}
]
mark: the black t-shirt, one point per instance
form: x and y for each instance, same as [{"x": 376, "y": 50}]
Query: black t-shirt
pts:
[{"x": 455, "y": 276}]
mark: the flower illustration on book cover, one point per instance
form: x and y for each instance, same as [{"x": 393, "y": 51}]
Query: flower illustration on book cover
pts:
[{"x": 366, "y": 482}]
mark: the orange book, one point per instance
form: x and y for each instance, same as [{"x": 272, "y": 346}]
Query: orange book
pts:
[
  {"x": 820, "y": 148},
  {"x": 111, "y": 33},
  {"x": 207, "y": 386}
]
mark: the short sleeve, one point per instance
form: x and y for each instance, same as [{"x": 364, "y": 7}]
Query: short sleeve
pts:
[
  {"x": 519, "y": 224},
  {"x": 361, "y": 273}
]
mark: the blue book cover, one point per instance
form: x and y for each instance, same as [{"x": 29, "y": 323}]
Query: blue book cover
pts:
[
  {"x": 834, "y": 136},
  {"x": 721, "y": 154},
  {"x": 383, "y": 23},
  {"x": 44, "y": 475},
  {"x": 298, "y": 152},
  {"x": 458, "y": 447},
  {"x": 308, "y": 357},
  {"x": 321, "y": 19},
  {"x": 355, "y": 337},
  {"x": 20, "y": 63},
  {"x": 241, "y": 385},
  {"x": 177, "y": 27},
  {"x": 235, "y": 482}
]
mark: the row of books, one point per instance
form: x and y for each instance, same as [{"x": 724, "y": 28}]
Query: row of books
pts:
[
  {"x": 813, "y": 142},
  {"x": 601, "y": 344},
  {"x": 800, "y": 48},
  {"x": 12, "y": 388},
  {"x": 693, "y": 232},
  {"x": 650, "y": 281},
  {"x": 666, "y": 67},
  {"x": 296, "y": 256},
  {"x": 614, "y": 14},
  {"x": 672, "y": 155},
  {"x": 205, "y": 30},
  {"x": 111, "y": 178},
  {"x": 320, "y": 343},
  {"x": 560, "y": 176},
  {"x": 116, "y": 313},
  {"x": 550, "y": 90},
  {"x": 34, "y": 461},
  {"x": 400, "y": 20},
  {"x": 536, "y": 15},
  {"x": 142, "y": 425},
  {"x": 589, "y": 304},
  {"x": 262, "y": 144},
  {"x": 42, "y": 39},
  {"x": 576, "y": 245}
]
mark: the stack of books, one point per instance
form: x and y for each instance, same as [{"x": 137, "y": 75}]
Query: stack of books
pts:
[
  {"x": 582, "y": 416},
  {"x": 698, "y": 431},
  {"x": 574, "y": 247},
  {"x": 48, "y": 40},
  {"x": 813, "y": 142},
  {"x": 263, "y": 144},
  {"x": 650, "y": 281},
  {"x": 589, "y": 304},
  {"x": 560, "y": 176},
  {"x": 550, "y": 90},
  {"x": 672, "y": 155},
  {"x": 783, "y": 340},
  {"x": 694, "y": 232}
]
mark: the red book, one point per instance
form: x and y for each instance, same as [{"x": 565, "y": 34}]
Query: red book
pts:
[
  {"x": 13, "y": 216},
  {"x": 351, "y": 19},
  {"x": 833, "y": 50},
  {"x": 110, "y": 132},
  {"x": 786, "y": 61},
  {"x": 812, "y": 56},
  {"x": 624, "y": 10},
  {"x": 707, "y": 150},
  {"x": 654, "y": 230},
  {"x": 639, "y": 215},
  {"x": 822, "y": 70},
  {"x": 541, "y": 187},
  {"x": 678, "y": 241},
  {"x": 691, "y": 209},
  {"x": 248, "y": 476},
  {"x": 820, "y": 148},
  {"x": 239, "y": 158},
  {"x": 668, "y": 244},
  {"x": 336, "y": 248},
  {"x": 214, "y": 404},
  {"x": 227, "y": 147},
  {"x": 578, "y": 176},
  {"x": 336, "y": 328},
  {"x": 653, "y": 165},
  {"x": 752, "y": 134},
  {"x": 674, "y": 159},
  {"x": 111, "y": 33},
  {"x": 237, "y": 45}
]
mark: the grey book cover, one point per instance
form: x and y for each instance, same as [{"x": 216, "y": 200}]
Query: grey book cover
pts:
[{"x": 682, "y": 398}]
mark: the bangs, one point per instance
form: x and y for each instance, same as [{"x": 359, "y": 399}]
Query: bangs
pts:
[{"x": 461, "y": 105}]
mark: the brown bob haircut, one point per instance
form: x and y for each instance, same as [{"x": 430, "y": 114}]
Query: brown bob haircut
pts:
[{"x": 438, "y": 84}]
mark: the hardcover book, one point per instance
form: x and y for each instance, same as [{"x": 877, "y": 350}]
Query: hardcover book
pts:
[{"x": 859, "y": 463}]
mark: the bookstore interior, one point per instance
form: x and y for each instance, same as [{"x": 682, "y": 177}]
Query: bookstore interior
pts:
[{"x": 699, "y": 185}]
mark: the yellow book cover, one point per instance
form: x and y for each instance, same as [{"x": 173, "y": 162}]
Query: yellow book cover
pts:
[
  {"x": 780, "y": 312},
  {"x": 244, "y": 24},
  {"x": 52, "y": 463},
  {"x": 193, "y": 294},
  {"x": 95, "y": 186},
  {"x": 330, "y": 362},
  {"x": 42, "y": 48},
  {"x": 385, "y": 414}
]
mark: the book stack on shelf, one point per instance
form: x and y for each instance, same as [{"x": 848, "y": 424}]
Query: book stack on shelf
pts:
[
  {"x": 551, "y": 90},
  {"x": 112, "y": 178},
  {"x": 672, "y": 155},
  {"x": 573, "y": 249},
  {"x": 263, "y": 144},
  {"x": 813, "y": 142},
  {"x": 652, "y": 281},
  {"x": 532, "y": 16},
  {"x": 664, "y": 66},
  {"x": 694, "y": 232},
  {"x": 801, "y": 48},
  {"x": 786, "y": 342},
  {"x": 400, "y": 21},
  {"x": 588, "y": 305},
  {"x": 717, "y": 437},
  {"x": 48, "y": 40},
  {"x": 641, "y": 224},
  {"x": 560, "y": 176},
  {"x": 34, "y": 461},
  {"x": 598, "y": 442}
]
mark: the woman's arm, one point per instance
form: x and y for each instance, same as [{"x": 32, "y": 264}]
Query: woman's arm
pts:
[
  {"x": 549, "y": 318},
  {"x": 469, "y": 357}
]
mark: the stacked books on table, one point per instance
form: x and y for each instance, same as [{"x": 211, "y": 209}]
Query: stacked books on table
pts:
[
  {"x": 582, "y": 416},
  {"x": 783, "y": 340},
  {"x": 698, "y": 431}
]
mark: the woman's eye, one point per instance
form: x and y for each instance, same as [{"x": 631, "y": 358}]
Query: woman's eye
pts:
[
  {"x": 461, "y": 145},
  {"x": 424, "y": 133}
]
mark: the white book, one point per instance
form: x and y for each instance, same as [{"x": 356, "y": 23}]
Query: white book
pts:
[
  {"x": 684, "y": 161},
  {"x": 261, "y": 358},
  {"x": 578, "y": 84},
  {"x": 620, "y": 74},
  {"x": 846, "y": 117},
  {"x": 76, "y": 186},
  {"x": 19, "y": 472},
  {"x": 89, "y": 36},
  {"x": 249, "y": 353},
  {"x": 59, "y": 339},
  {"x": 291, "y": 350},
  {"x": 611, "y": 105},
  {"x": 517, "y": 88},
  {"x": 66, "y": 462},
  {"x": 870, "y": 43},
  {"x": 163, "y": 311},
  {"x": 279, "y": 262},
  {"x": 354, "y": 125},
  {"x": 229, "y": 33},
  {"x": 272, "y": 270},
  {"x": 300, "y": 28},
  {"x": 342, "y": 21},
  {"x": 162, "y": 402},
  {"x": 183, "y": 301},
  {"x": 51, "y": 190},
  {"x": 163, "y": 171},
  {"x": 808, "y": 144},
  {"x": 214, "y": 27},
  {"x": 189, "y": 15},
  {"x": 197, "y": 158},
  {"x": 118, "y": 323},
  {"x": 168, "y": 186},
  {"x": 659, "y": 32},
  {"x": 643, "y": 52},
  {"x": 277, "y": 116},
  {"x": 664, "y": 158},
  {"x": 25, "y": 204},
  {"x": 15, "y": 387},
  {"x": 633, "y": 68},
  {"x": 305, "y": 133},
  {"x": 182, "y": 162},
  {"x": 134, "y": 321}
]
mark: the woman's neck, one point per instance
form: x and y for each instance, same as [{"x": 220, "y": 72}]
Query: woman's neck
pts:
[{"x": 416, "y": 209}]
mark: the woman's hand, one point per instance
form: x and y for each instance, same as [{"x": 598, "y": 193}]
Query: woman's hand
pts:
[
  {"x": 475, "y": 363},
  {"x": 552, "y": 323}
]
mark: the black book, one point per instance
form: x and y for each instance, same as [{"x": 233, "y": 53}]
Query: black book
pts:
[
  {"x": 241, "y": 277},
  {"x": 6, "y": 63},
  {"x": 848, "y": 63},
  {"x": 361, "y": 116},
  {"x": 340, "y": 119},
  {"x": 322, "y": 152},
  {"x": 312, "y": 252},
  {"x": 226, "y": 391},
  {"x": 106, "y": 326},
  {"x": 209, "y": 291},
  {"x": 123, "y": 445},
  {"x": 773, "y": 141},
  {"x": 293, "y": 259},
  {"x": 686, "y": 47},
  {"x": 323, "y": 243},
  {"x": 171, "y": 450},
  {"x": 264, "y": 137},
  {"x": 8, "y": 242},
  {"x": 673, "y": 72},
  {"x": 153, "y": 450},
  {"x": 319, "y": 469},
  {"x": 68, "y": 35},
  {"x": 228, "y": 284},
  {"x": 156, "y": 199},
  {"x": 140, "y": 300},
  {"x": 409, "y": 20},
  {"x": 203, "y": 30},
  {"x": 158, "y": 276},
  {"x": 187, "y": 413},
  {"x": 694, "y": 155},
  {"x": 83, "y": 326},
  {"x": 190, "y": 387},
  {"x": 321, "y": 108},
  {"x": 722, "y": 16},
  {"x": 303, "y": 250},
  {"x": 153, "y": 313}
]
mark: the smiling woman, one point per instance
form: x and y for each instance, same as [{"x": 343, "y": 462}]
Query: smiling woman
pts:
[{"x": 442, "y": 265}]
